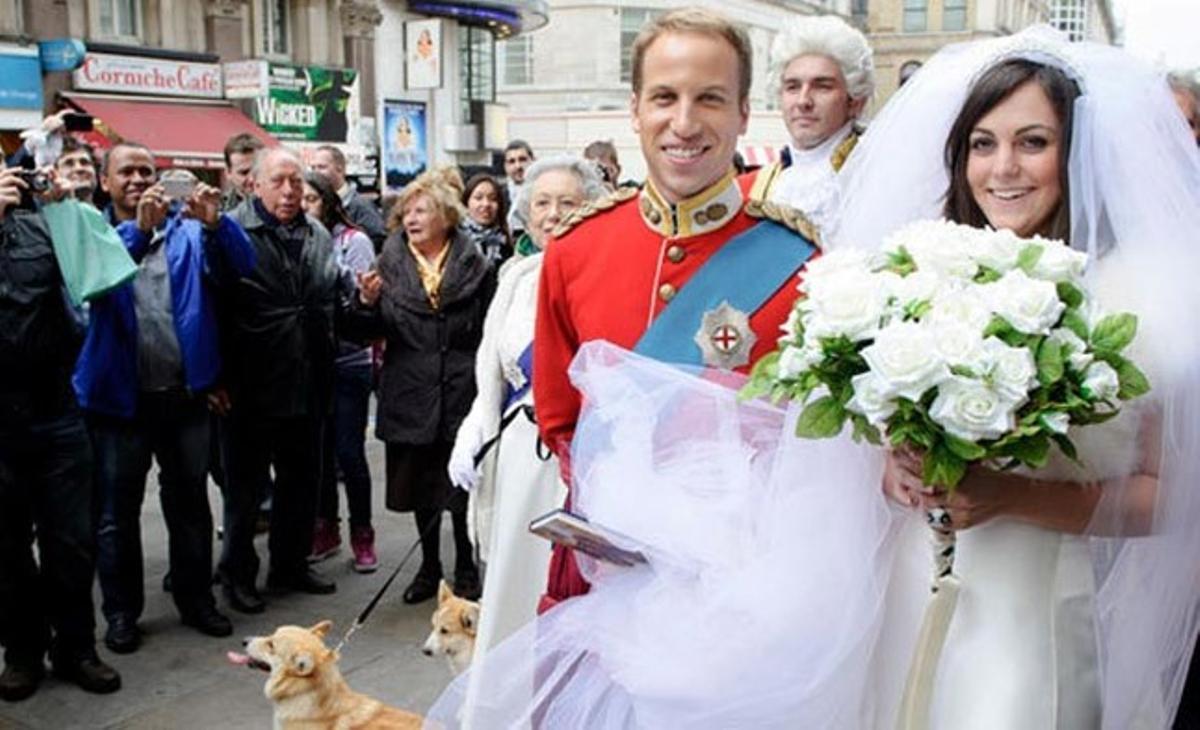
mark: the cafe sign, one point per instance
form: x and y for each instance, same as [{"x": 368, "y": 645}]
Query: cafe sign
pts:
[{"x": 151, "y": 76}]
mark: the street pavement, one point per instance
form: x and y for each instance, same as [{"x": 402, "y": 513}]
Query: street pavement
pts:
[{"x": 181, "y": 678}]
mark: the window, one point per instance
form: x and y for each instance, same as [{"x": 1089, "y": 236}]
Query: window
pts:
[
  {"x": 1070, "y": 16},
  {"x": 273, "y": 18},
  {"x": 518, "y": 60},
  {"x": 632, "y": 20},
  {"x": 954, "y": 14},
  {"x": 476, "y": 69},
  {"x": 859, "y": 14},
  {"x": 120, "y": 18},
  {"x": 914, "y": 16}
]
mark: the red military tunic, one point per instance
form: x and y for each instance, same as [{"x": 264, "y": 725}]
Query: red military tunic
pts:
[{"x": 607, "y": 278}]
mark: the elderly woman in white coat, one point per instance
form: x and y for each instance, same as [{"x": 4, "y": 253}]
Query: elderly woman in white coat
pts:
[{"x": 496, "y": 454}]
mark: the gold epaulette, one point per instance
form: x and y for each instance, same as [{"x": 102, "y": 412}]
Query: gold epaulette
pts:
[
  {"x": 587, "y": 210},
  {"x": 785, "y": 215},
  {"x": 844, "y": 149}
]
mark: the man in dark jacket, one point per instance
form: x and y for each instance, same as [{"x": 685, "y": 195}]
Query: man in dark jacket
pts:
[
  {"x": 280, "y": 376},
  {"x": 330, "y": 162},
  {"x": 150, "y": 356},
  {"x": 45, "y": 467}
]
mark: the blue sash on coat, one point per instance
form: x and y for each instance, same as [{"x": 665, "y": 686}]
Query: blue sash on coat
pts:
[
  {"x": 512, "y": 395},
  {"x": 746, "y": 272}
]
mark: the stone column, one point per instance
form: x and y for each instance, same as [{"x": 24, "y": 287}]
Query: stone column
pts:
[
  {"x": 223, "y": 21},
  {"x": 359, "y": 20},
  {"x": 46, "y": 20}
]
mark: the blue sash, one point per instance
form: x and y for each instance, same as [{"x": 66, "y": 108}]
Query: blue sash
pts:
[
  {"x": 511, "y": 395},
  {"x": 745, "y": 272}
]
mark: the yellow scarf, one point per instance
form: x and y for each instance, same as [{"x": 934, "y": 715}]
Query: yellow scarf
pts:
[{"x": 431, "y": 273}]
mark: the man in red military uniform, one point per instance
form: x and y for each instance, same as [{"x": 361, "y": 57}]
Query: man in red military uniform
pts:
[{"x": 694, "y": 268}]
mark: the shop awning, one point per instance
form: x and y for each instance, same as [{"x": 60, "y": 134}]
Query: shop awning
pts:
[{"x": 180, "y": 133}]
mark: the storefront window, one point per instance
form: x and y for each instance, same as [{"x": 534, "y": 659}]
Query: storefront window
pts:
[
  {"x": 273, "y": 15},
  {"x": 118, "y": 18},
  {"x": 476, "y": 69}
]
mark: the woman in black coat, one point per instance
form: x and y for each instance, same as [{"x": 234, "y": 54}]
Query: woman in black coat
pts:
[{"x": 435, "y": 287}]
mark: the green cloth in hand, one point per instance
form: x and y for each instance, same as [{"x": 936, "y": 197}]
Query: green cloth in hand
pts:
[{"x": 91, "y": 256}]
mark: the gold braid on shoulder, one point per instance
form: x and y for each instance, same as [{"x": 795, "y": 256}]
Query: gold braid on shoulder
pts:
[
  {"x": 786, "y": 216},
  {"x": 587, "y": 210}
]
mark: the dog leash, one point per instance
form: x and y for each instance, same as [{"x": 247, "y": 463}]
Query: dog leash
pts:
[
  {"x": 362, "y": 617},
  {"x": 545, "y": 455}
]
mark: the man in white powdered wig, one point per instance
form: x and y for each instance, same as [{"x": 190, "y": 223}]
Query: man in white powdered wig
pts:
[{"x": 825, "y": 76}]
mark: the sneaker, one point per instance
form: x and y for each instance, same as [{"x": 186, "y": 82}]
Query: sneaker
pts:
[
  {"x": 362, "y": 543},
  {"x": 326, "y": 540}
]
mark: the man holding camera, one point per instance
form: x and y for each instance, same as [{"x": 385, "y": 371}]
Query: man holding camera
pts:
[
  {"x": 150, "y": 356},
  {"x": 45, "y": 455}
]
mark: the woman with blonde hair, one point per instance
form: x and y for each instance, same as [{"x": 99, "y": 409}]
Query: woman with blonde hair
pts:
[{"x": 436, "y": 286}]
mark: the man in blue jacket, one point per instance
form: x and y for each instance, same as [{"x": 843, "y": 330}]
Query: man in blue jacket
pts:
[{"x": 150, "y": 356}]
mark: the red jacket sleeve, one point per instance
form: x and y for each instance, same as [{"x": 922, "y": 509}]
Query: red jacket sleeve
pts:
[{"x": 554, "y": 345}]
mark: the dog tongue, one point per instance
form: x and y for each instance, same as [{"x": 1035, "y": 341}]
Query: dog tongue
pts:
[{"x": 236, "y": 658}]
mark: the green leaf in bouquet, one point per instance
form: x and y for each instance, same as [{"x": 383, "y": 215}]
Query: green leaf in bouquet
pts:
[
  {"x": 963, "y": 371},
  {"x": 986, "y": 275},
  {"x": 917, "y": 309},
  {"x": 762, "y": 378},
  {"x": 1074, "y": 321},
  {"x": 864, "y": 430},
  {"x": 1094, "y": 417},
  {"x": 1028, "y": 258},
  {"x": 941, "y": 467},
  {"x": 1066, "y": 447},
  {"x": 964, "y": 449},
  {"x": 1032, "y": 451},
  {"x": 998, "y": 326},
  {"x": 1050, "y": 362},
  {"x": 901, "y": 262},
  {"x": 1133, "y": 381},
  {"x": 823, "y": 418},
  {"x": 1114, "y": 333},
  {"x": 1070, "y": 295}
]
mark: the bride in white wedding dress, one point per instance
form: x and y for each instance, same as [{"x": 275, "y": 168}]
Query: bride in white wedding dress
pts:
[
  {"x": 1077, "y": 583},
  {"x": 785, "y": 591}
]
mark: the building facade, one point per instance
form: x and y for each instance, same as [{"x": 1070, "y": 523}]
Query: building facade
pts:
[
  {"x": 155, "y": 70},
  {"x": 905, "y": 33},
  {"x": 569, "y": 83},
  {"x": 1085, "y": 20}
]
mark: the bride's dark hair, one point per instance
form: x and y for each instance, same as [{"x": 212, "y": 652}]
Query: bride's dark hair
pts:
[{"x": 994, "y": 86}]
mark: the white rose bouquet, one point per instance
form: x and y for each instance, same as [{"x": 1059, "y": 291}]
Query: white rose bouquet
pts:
[{"x": 967, "y": 345}]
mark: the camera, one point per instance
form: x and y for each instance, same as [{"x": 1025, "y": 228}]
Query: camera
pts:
[{"x": 38, "y": 183}]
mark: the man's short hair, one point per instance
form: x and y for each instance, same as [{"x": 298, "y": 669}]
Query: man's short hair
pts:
[
  {"x": 74, "y": 144},
  {"x": 123, "y": 143},
  {"x": 518, "y": 144},
  {"x": 600, "y": 148},
  {"x": 260, "y": 158},
  {"x": 339, "y": 158},
  {"x": 825, "y": 35},
  {"x": 700, "y": 22},
  {"x": 242, "y": 143}
]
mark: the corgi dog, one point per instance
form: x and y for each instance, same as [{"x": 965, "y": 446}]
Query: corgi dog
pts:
[
  {"x": 308, "y": 690},
  {"x": 455, "y": 621}
]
